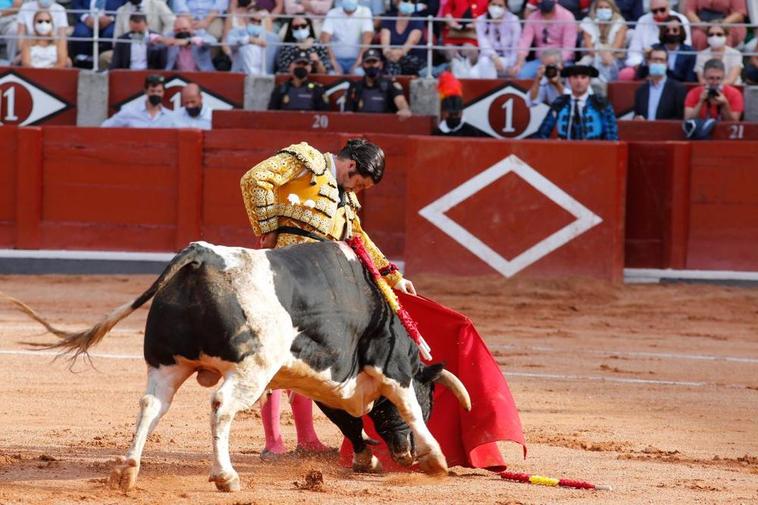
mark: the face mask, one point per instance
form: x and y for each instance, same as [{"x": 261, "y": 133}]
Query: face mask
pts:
[
  {"x": 371, "y": 72},
  {"x": 301, "y": 34},
  {"x": 155, "y": 100},
  {"x": 751, "y": 73},
  {"x": 44, "y": 3},
  {"x": 670, "y": 38},
  {"x": 300, "y": 72},
  {"x": 406, "y": 8},
  {"x": 43, "y": 27},
  {"x": 349, "y": 5},
  {"x": 182, "y": 35},
  {"x": 716, "y": 41},
  {"x": 135, "y": 2},
  {"x": 193, "y": 111},
  {"x": 657, "y": 69},
  {"x": 254, "y": 30},
  {"x": 244, "y": 3},
  {"x": 453, "y": 122},
  {"x": 496, "y": 12},
  {"x": 546, "y": 6},
  {"x": 604, "y": 14}
]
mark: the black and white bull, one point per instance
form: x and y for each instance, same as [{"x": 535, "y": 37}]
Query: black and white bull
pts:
[{"x": 307, "y": 318}]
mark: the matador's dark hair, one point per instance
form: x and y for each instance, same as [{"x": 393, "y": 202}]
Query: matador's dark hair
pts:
[{"x": 368, "y": 157}]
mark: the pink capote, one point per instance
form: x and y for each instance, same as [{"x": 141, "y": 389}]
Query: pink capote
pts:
[{"x": 467, "y": 438}]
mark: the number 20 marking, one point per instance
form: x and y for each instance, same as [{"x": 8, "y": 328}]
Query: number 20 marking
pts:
[{"x": 320, "y": 121}]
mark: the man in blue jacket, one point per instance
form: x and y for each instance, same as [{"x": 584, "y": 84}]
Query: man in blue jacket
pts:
[{"x": 580, "y": 115}]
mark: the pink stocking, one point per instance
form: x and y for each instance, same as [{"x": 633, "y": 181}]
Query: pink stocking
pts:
[
  {"x": 270, "y": 412},
  {"x": 302, "y": 410}
]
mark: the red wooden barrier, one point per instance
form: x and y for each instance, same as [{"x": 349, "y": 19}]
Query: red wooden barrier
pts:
[
  {"x": 481, "y": 207},
  {"x": 335, "y": 87},
  {"x": 336, "y": 122},
  {"x": 8, "y": 189},
  {"x": 621, "y": 95},
  {"x": 29, "y": 188},
  {"x": 672, "y": 130},
  {"x": 35, "y": 96}
]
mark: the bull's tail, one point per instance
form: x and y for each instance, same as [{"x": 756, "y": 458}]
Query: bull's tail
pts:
[{"x": 78, "y": 343}]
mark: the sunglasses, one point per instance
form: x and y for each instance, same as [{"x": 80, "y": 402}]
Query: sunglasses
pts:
[
  {"x": 717, "y": 34},
  {"x": 659, "y": 9},
  {"x": 297, "y": 27},
  {"x": 674, "y": 31}
]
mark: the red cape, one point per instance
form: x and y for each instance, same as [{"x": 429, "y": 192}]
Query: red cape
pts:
[{"x": 467, "y": 438}]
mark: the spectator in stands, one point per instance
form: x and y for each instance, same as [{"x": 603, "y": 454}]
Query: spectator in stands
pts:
[
  {"x": 238, "y": 14},
  {"x": 751, "y": 71},
  {"x": 274, "y": 7},
  {"x": 299, "y": 93},
  {"x": 192, "y": 113},
  {"x": 377, "y": 8},
  {"x": 28, "y": 9},
  {"x": 374, "y": 92},
  {"x": 452, "y": 123},
  {"x": 398, "y": 36},
  {"x": 647, "y": 33},
  {"x": 205, "y": 15},
  {"x": 188, "y": 50},
  {"x": 459, "y": 32},
  {"x": 346, "y": 32},
  {"x": 8, "y": 28},
  {"x": 308, "y": 7},
  {"x": 139, "y": 48},
  {"x": 714, "y": 100},
  {"x": 578, "y": 8},
  {"x": 581, "y": 115},
  {"x": 100, "y": 14},
  {"x": 248, "y": 45},
  {"x": 548, "y": 83},
  {"x": 552, "y": 26},
  {"x": 159, "y": 17},
  {"x": 630, "y": 9},
  {"x": 681, "y": 66},
  {"x": 732, "y": 58},
  {"x": 300, "y": 31},
  {"x": 149, "y": 113},
  {"x": 660, "y": 97},
  {"x": 48, "y": 49},
  {"x": 497, "y": 32},
  {"x": 710, "y": 11},
  {"x": 604, "y": 37}
]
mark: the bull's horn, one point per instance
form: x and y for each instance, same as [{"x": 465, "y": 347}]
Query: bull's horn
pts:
[{"x": 456, "y": 387}]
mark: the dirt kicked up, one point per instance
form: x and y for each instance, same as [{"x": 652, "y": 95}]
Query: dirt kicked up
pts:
[{"x": 652, "y": 389}]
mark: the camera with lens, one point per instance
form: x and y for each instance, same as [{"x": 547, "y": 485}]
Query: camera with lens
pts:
[
  {"x": 713, "y": 93},
  {"x": 551, "y": 71}
]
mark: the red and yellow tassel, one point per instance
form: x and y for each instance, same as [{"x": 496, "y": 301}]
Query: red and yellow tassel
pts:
[{"x": 540, "y": 480}]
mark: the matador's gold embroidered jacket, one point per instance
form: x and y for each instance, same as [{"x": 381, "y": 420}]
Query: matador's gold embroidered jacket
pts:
[{"x": 296, "y": 188}]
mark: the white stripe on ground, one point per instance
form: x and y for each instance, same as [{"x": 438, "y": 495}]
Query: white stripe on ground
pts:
[
  {"x": 635, "y": 354},
  {"x": 654, "y": 275},
  {"x": 85, "y": 255},
  {"x": 52, "y": 354}
]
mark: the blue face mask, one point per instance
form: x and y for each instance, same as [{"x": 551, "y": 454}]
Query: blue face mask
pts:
[
  {"x": 657, "y": 69},
  {"x": 406, "y": 8},
  {"x": 349, "y": 5},
  {"x": 254, "y": 30}
]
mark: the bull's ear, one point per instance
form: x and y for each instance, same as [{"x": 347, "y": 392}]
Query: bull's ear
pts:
[{"x": 430, "y": 373}]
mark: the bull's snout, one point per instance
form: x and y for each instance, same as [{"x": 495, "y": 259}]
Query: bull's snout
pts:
[{"x": 402, "y": 449}]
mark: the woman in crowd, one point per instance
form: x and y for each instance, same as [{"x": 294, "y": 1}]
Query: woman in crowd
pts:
[
  {"x": 248, "y": 45},
  {"x": 398, "y": 36},
  {"x": 315, "y": 10},
  {"x": 497, "y": 33},
  {"x": 44, "y": 49},
  {"x": 681, "y": 64},
  {"x": 717, "y": 49},
  {"x": 604, "y": 37},
  {"x": 300, "y": 36},
  {"x": 709, "y": 11}
]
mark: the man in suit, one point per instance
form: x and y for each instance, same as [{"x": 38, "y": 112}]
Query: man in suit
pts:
[
  {"x": 139, "y": 48},
  {"x": 660, "y": 97},
  {"x": 91, "y": 14},
  {"x": 189, "y": 50}
]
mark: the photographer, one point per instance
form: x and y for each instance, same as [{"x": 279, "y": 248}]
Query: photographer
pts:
[
  {"x": 547, "y": 85},
  {"x": 715, "y": 100}
]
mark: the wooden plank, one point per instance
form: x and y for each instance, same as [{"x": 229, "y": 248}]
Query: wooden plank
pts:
[
  {"x": 107, "y": 237},
  {"x": 189, "y": 202},
  {"x": 8, "y": 136},
  {"x": 29, "y": 187},
  {"x": 65, "y": 171}
]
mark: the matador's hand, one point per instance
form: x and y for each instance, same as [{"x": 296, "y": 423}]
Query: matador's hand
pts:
[{"x": 405, "y": 286}]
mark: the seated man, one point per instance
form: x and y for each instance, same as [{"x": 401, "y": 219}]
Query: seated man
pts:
[
  {"x": 299, "y": 93},
  {"x": 204, "y": 15},
  {"x": 139, "y": 48},
  {"x": 715, "y": 100},
  {"x": 374, "y": 92},
  {"x": 192, "y": 114},
  {"x": 159, "y": 17},
  {"x": 452, "y": 123},
  {"x": 149, "y": 113},
  {"x": 660, "y": 97},
  {"x": 548, "y": 84},
  {"x": 580, "y": 115},
  {"x": 189, "y": 50},
  {"x": 97, "y": 16},
  {"x": 346, "y": 29}
]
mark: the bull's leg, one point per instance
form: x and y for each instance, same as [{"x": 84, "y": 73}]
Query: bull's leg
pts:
[
  {"x": 352, "y": 427},
  {"x": 240, "y": 390},
  {"x": 162, "y": 384},
  {"x": 430, "y": 457}
]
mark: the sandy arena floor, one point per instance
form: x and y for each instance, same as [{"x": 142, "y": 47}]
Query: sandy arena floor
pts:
[{"x": 651, "y": 389}]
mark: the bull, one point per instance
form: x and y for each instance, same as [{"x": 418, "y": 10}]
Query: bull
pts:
[{"x": 307, "y": 318}]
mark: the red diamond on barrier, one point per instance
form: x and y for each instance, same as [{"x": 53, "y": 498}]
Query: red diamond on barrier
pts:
[{"x": 437, "y": 213}]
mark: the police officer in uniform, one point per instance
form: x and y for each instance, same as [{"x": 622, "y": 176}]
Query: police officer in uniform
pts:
[
  {"x": 299, "y": 93},
  {"x": 374, "y": 92}
]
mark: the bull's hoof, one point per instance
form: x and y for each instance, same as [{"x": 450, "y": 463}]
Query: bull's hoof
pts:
[
  {"x": 226, "y": 482},
  {"x": 366, "y": 462},
  {"x": 433, "y": 463},
  {"x": 124, "y": 474},
  {"x": 403, "y": 458}
]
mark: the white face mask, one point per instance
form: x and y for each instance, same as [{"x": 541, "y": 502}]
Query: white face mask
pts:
[
  {"x": 496, "y": 11},
  {"x": 717, "y": 41},
  {"x": 43, "y": 27},
  {"x": 301, "y": 34},
  {"x": 604, "y": 14}
]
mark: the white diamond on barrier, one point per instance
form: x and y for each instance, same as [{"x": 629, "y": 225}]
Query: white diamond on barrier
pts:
[
  {"x": 43, "y": 103},
  {"x": 435, "y": 213}
]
